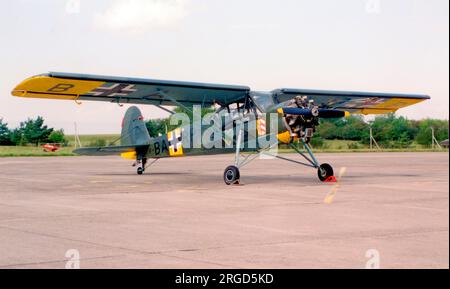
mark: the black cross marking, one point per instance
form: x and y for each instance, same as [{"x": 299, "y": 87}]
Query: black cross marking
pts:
[
  {"x": 117, "y": 89},
  {"x": 175, "y": 141},
  {"x": 365, "y": 102}
]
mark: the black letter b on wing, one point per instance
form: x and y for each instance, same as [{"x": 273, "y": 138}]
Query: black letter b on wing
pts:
[{"x": 61, "y": 87}]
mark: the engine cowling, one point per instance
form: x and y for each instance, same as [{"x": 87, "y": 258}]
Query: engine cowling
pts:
[{"x": 302, "y": 117}]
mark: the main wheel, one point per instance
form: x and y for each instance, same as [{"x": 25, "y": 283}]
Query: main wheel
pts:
[
  {"x": 325, "y": 171},
  {"x": 140, "y": 170},
  {"x": 231, "y": 175}
]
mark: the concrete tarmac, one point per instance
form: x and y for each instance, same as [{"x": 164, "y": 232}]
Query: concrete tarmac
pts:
[{"x": 391, "y": 210}]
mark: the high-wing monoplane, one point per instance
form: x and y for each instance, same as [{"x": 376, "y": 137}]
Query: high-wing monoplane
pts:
[{"x": 246, "y": 121}]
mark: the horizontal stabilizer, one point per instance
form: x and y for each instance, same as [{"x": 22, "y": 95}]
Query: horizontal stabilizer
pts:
[{"x": 109, "y": 151}]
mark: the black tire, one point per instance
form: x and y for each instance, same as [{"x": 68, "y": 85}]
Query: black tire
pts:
[
  {"x": 325, "y": 171},
  {"x": 140, "y": 170},
  {"x": 231, "y": 175}
]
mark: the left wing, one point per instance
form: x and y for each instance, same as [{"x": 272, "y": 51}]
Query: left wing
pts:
[
  {"x": 354, "y": 102},
  {"x": 68, "y": 86}
]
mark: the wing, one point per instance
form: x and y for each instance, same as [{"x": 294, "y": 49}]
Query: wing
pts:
[
  {"x": 354, "y": 102},
  {"x": 67, "y": 86}
]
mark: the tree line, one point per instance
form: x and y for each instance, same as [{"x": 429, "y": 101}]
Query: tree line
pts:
[
  {"x": 390, "y": 131},
  {"x": 30, "y": 132}
]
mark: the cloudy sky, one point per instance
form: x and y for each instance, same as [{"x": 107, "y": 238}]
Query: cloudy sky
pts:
[{"x": 364, "y": 45}]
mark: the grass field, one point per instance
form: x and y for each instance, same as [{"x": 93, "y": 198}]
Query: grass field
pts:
[
  {"x": 93, "y": 140},
  {"x": 33, "y": 151},
  {"x": 355, "y": 146},
  {"x": 333, "y": 146}
]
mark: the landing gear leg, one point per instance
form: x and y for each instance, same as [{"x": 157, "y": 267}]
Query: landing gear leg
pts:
[
  {"x": 324, "y": 171},
  {"x": 141, "y": 168},
  {"x": 232, "y": 176}
]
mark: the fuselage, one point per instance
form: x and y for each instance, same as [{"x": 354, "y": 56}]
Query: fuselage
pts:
[{"x": 255, "y": 125}]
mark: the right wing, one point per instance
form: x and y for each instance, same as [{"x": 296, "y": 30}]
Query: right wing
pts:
[
  {"x": 69, "y": 86},
  {"x": 353, "y": 102}
]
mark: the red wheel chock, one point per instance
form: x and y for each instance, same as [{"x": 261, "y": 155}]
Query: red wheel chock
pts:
[{"x": 331, "y": 179}]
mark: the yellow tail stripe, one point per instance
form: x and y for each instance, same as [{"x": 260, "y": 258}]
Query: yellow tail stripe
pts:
[{"x": 129, "y": 155}]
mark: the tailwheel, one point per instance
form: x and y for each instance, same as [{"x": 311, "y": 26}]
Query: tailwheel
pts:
[
  {"x": 141, "y": 169},
  {"x": 231, "y": 176},
  {"x": 325, "y": 173}
]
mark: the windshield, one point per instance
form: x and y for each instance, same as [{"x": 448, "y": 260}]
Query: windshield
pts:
[{"x": 263, "y": 100}]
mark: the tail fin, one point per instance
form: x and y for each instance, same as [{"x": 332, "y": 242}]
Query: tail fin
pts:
[{"x": 134, "y": 131}]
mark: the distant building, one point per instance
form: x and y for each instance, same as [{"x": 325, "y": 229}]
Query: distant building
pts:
[{"x": 444, "y": 144}]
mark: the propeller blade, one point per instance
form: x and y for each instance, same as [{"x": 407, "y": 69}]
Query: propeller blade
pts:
[
  {"x": 332, "y": 113},
  {"x": 321, "y": 112}
]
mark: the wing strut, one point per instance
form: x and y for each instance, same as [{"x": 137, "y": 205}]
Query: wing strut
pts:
[
  {"x": 164, "y": 95},
  {"x": 165, "y": 109}
]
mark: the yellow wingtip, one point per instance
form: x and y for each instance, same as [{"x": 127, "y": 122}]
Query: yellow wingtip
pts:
[
  {"x": 18, "y": 93},
  {"x": 41, "y": 86}
]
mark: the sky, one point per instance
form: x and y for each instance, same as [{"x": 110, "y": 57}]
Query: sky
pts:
[{"x": 364, "y": 45}]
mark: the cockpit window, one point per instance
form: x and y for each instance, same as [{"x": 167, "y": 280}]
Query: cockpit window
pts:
[{"x": 263, "y": 100}]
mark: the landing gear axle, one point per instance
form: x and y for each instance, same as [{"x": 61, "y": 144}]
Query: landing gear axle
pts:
[
  {"x": 231, "y": 176},
  {"x": 325, "y": 172}
]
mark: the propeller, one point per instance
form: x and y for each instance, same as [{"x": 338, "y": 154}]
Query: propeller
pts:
[{"x": 314, "y": 112}]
